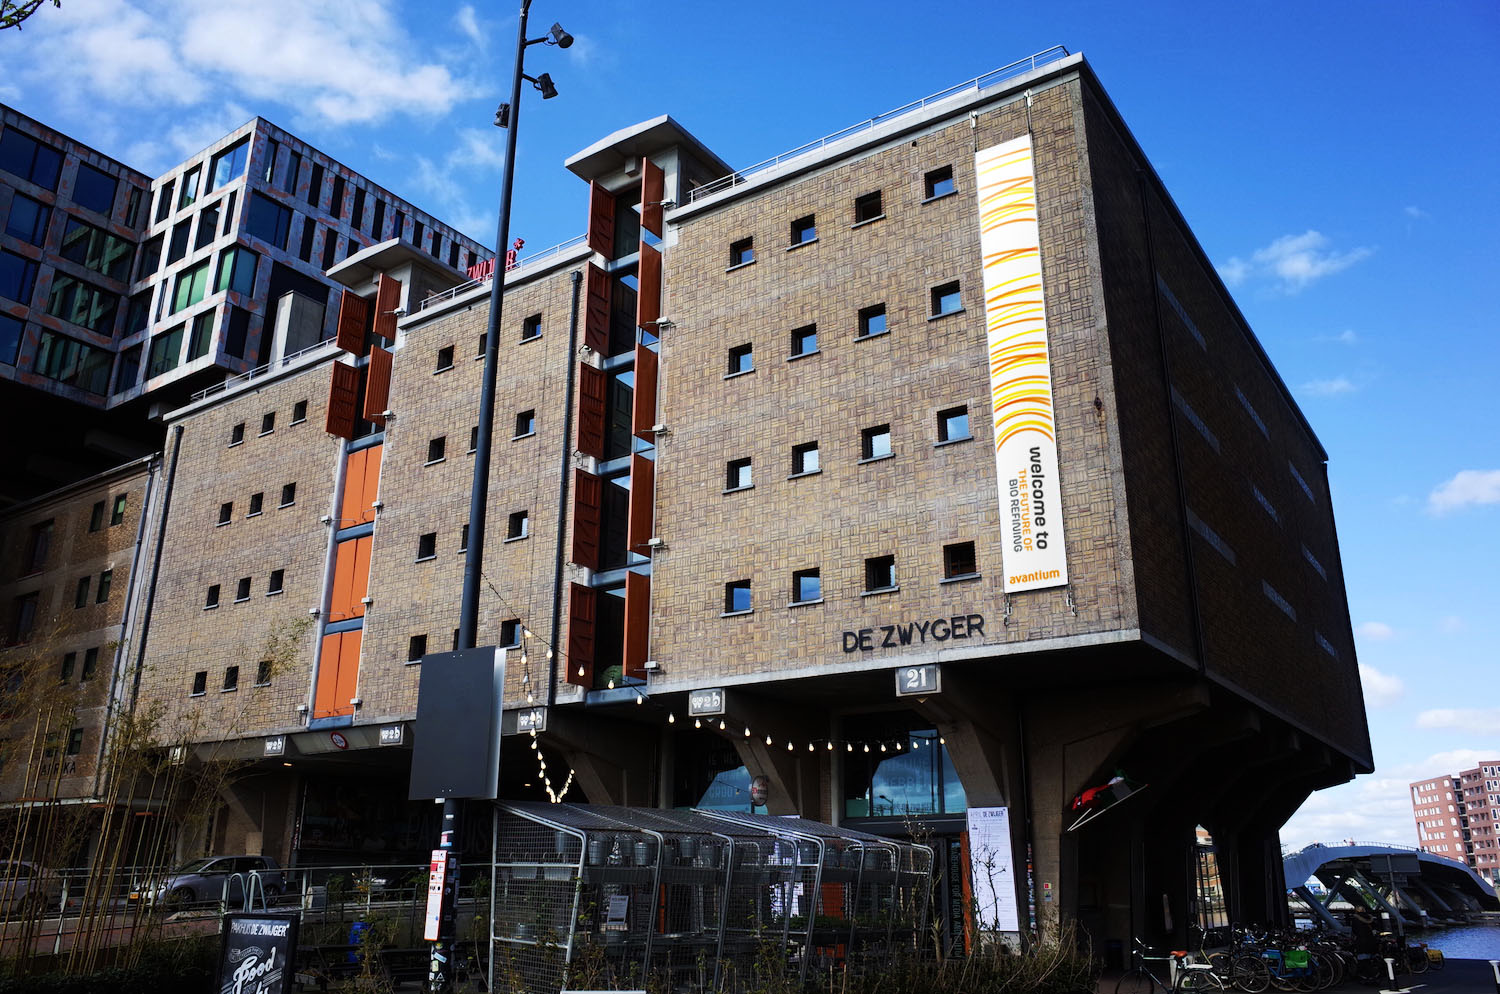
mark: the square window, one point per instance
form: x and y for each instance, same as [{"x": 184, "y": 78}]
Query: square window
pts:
[
  {"x": 736, "y": 596},
  {"x": 427, "y": 546},
  {"x": 237, "y": 434},
  {"x": 437, "y": 449},
  {"x": 741, "y": 359},
  {"x": 66, "y": 672},
  {"x": 525, "y": 424},
  {"x": 200, "y": 683},
  {"x": 741, "y": 252},
  {"x": 945, "y": 299},
  {"x": 875, "y": 443},
  {"x": 299, "y": 412},
  {"x": 288, "y": 494},
  {"x": 416, "y": 648},
  {"x": 807, "y": 585},
  {"x": 463, "y": 539},
  {"x": 805, "y": 341},
  {"x": 868, "y": 208},
  {"x": 518, "y": 525},
  {"x": 81, "y": 593},
  {"x": 939, "y": 182},
  {"x": 278, "y": 579},
  {"x": 90, "y": 664},
  {"x": 257, "y": 504},
  {"x": 263, "y": 673},
  {"x": 805, "y": 459},
  {"x": 531, "y": 328},
  {"x": 444, "y": 358},
  {"x": 226, "y": 512},
  {"x": 231, "y": 678},
  {"x": 804, "y": 230},
  {"x": 953, "y": 424},
  {"x": 96, "y": 516},
  {"x": 872, "y": 320},
  {"x": 242, "y": 590},
  {"x": 473, "y": 439},
  {"x": 880, "y": 573},
  {"x": 117, "y": 513},
  {"x": 510, "y": 632},
  {"x": 268, "y": 423},
  {"x": 212, "y": 600},
  {"x": 106, "y": 579},
  {"x": 737, "y": 475},
  {"x": 958, "y": 560}
]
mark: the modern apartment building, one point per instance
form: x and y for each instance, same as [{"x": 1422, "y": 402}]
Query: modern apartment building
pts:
[
  {"x": 759, "y": 526},
  {"x": 1458, "y": 816}
]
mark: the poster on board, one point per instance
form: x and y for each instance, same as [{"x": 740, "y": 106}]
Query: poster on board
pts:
[
  {"x": 992, "y": 870},
  {"x": 257, "y": 954}
]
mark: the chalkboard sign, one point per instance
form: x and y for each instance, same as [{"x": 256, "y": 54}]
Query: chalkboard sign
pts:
[{"x": 258, "y": 953}]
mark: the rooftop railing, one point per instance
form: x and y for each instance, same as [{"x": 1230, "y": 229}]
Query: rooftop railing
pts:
[
  {"x": 521, "y": 263},
  {"x": 1016, "y": 68},
  {"x": 284, "y": 361}
]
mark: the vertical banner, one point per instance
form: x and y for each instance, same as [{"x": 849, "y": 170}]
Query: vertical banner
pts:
[
  {"x": 257, "y": 954},
  {"x": 993, "y": 870},
  {"x": 1015, "y": 323}
]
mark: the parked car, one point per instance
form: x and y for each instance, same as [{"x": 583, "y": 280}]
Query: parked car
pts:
[
  {"x": 202, "y": 880},
  {"x": 26, "y": 888}
]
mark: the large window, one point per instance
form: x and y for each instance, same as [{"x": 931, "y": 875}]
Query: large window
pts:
[
  {"x": 229, "y": 164},
  {"x": 189, "y": 193},
  {"x": 28, "y": 219},
  {"x": 237, "y": 270},
  {"x": 208, "y": 226},
  {"x": 96, "y": 249},
  {"x": 896, "y": 766},
  {"x": 191, "y": 285},
  {"x": 166, "y": 352},
  {"x": 17, "y": 277},
  {"x": 10, "y": 338},
  {"x": 24, "y": 156},
  {"x": 72, "y": 362},
  {"x": 82, "y": 303},
  {"x": 202, "y": 336},
  {"x": 268, "y": 220},
  {"x": 94, "y": 189}
]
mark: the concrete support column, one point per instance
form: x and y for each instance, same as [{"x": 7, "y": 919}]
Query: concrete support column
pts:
[{"x": 614, "y": 762}]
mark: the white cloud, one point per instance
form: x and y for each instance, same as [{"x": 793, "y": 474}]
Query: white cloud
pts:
[
  {"x": 1381, "y": 689},
  {"x": 1335, "y": 387},
  {"x": 1346, "y": 337},
  {"x": 479, "y": 148},
  {"x": 1375, "y": 631},
  {"x": 1234, "y": 272},
  {"x": 1416, "y": 212},
  {"x": 1372, "y": 808},
  {"x": 1295, "y": 261},
  {"x": 469, "y": 24},
  {"x": 1469, "y": 486},
  {"x": 1474, "y": 721}
]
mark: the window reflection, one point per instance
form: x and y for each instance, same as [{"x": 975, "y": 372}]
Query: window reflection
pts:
[{"x": 913, "y": 776}]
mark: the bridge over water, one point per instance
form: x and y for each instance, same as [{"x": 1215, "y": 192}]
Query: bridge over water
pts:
[{"x": 1413, "y": 887}]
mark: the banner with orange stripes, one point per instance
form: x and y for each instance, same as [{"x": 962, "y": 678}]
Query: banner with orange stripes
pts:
[{"x": 1025, "y": 426}]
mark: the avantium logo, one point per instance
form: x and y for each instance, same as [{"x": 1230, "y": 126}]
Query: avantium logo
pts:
[{"x": 1044, "y": 574}]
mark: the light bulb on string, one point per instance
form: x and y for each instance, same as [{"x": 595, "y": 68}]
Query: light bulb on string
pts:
[
  {"x": 882, "y": 747},
  {"x": 788, "y": 747},
  {"x": 830, "y": 746},
  {"x": 671, "y": 718},
  {"x": 849, "y": 746},
  {"x": 523, "y": 659},
  {"x": 747, "y": 731},
  {"x": 639, "y": 699},
  {"x": 942, "y": 741},
  {"x": 697, "y": 722},
  {"x": 611, "y": 685},
  {"x": 809, "y": 747},
  {"x": 526, "y": 633},
  {"x": 768, "y": 740},
  {"x": 867, "y": 747},
  {"x": 721, "y": 724}
]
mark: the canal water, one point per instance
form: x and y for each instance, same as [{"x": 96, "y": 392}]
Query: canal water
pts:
[{"x": 1480, "y": 941}]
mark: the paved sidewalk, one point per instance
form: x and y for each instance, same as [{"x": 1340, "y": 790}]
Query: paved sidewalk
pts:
[{"x": 1460, "y": 976}]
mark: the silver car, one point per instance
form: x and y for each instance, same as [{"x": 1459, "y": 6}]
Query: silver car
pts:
[
  {"x": 202, "y": 880},
  {"x": 26, "y": 888}
]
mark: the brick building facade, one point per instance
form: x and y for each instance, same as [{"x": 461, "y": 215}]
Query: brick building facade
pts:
[{"x": 1459, "y": 817}]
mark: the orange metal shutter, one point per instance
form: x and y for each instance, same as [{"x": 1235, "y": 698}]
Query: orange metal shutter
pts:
[
  {"x": 378, "y": 385},
  {"x": 338, "y": 674},
  {"x": 354, "y": 317},
  {"x": 583, "y": 605},
  {"x": 348, "y": 676},
  {"x": 341, "y": 604},
  {"x": 588, "y": 495},
  {"x": 354, "y": 502},
  {"x": 387, "y": 299},
  {"x": 596, "y": 310},
  {"x": 643, "y": 406},
  {"x": 653, "y": 189},
  {"x": 372, "y": 481},
  {"x": 361, "y": 573},
  {"x": 637, "y": 623},
  {"x": 601, "y": 237},
  {"x": 343, "y": 401},
  {"x": 642, "y": 495},
  {"x": 648, "y": 293},
  {"x": 592, "y": 387}
]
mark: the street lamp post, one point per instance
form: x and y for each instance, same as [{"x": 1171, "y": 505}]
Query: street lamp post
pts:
[{"x": 440, "y": 969}]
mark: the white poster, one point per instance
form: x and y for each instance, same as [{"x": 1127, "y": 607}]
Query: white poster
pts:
[
  {"x": 993, "y": 870},
  {"x": 1025, "y": 425}
]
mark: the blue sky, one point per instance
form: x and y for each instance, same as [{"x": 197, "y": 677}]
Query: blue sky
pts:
[{"x": 1336, "y": 160}]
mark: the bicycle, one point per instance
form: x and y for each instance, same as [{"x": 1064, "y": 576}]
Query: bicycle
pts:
[{"x": 1185, "y": 976}]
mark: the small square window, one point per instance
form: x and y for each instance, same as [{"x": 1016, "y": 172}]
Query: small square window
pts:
[
  {"x": 736, "y": 596},
  {"x": 437, "y": 449},
  {"x": 200, "y": 683},
  {"x": 953, "y": 424},
  {"x": 263, "y": 670},
  {"x": 231, "y": 678},
  {"x": 880, "y": 573},
  {"x": 807, "y": 585},
  {"x": 212, "y": 600},
  {"x": 288, "y": 494},
  {"x": 945, "y": 299},
  {"x": 81, "y": 592},
  {"x": 278, "y": 579},
  {"x": 299, "y": 412},
  {"x": 268, "y": 423},
  {"x": 427, "y": 546},
  {"x": 741, "y": 359},
  {"x": 473, "y": 439},
  {"x": 939, "y": 182},
  {"x": 510, "y": 632},
  {"x": 525, "y": 424},
  {"x": 804, "y": 230},
  {"x": 90, "y": 664},
  {"x": 66, "y": 672},
  {"x": 416, "y": 648},
  {"x": 805, "y": 459},
  {"x": 444, "y": 358},
  {"x": 737, "y": 475},
  {"x": 106, "y": 579},
  {"x": 257, "y": 504},
  {"x": 868, "y": 208},
  {"x": 117, "y": 513},
  {"x": 742, "y": 252},
  {"x": 463, "y": 539},
  {"x": 242, "y": 590},
  {"x": 237, "y": 434},
  {"x": 872, "y": 321},
  {"x": 805, "y": 341},
  {"x": 518, "y": 525},
  {"x": 96, "y": 516},
  {"x": 958, "y": 560},
  {"x": 226, "y": 512},
  {"x": 875, "y": 443},
  {"x": 531, "y": 328}
]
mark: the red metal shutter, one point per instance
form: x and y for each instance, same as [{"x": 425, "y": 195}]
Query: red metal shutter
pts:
[
  {"x": 378, "y": 385},
  {"x": 354, "y": 317},
  {"x": 592, "y": 387},
  {"x": 596, "y": 310},
  {"x": 387, "y": 300},
  {"x": 643, "y": 410},
  {"x": 588, "y": 496},
  {"x": 637, "y": 623},
  {"x": 653, "y": 189},
  {"x": 648, "y": 294},
  {"x": 583, "y": 605},
  {"x": 343, "y": 401},
  {"x": 601, "y": 237},
  {"x": 642, "y": 497}
]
